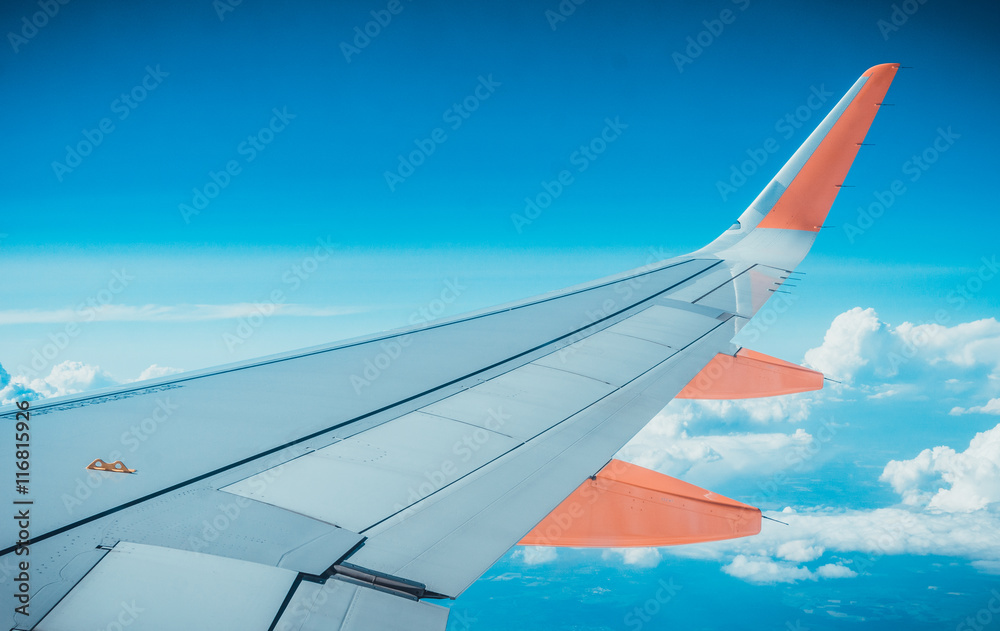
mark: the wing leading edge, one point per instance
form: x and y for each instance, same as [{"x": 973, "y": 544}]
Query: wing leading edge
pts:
[{"x": 353, "y": 503}]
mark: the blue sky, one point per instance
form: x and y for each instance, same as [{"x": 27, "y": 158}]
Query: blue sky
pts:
[{"x": 261, "y": 102}]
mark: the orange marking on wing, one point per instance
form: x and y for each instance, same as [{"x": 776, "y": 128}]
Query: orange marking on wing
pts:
[
  {"x": 808, "y": 198},
  {"x": 749, "y": 375},
  {"x": 625, "y": 505}
]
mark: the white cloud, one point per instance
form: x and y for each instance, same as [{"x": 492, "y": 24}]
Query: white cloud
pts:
[
  {"x": 833, "y": 570},
  {"x": 665, "y": 445},
  {"x": 859, "y": 346},
  {"x": 13, "y": 389},
  {"x": 638, "y": 557},
  {"x": 885, "y": 393},
  {"x": 942, "y": 479},
  {"x": 792, "y": 408},
  {"x": 782, "y": 554},
  {"x": 966, "y": 344},
  {"x": 987, "y": 567},
  {"x": 870, "y": 533},
  {"x": 536, "y": 555},
  {"x": 540, "y": 555},
  {"x": 155, "y": 371},
  {"x": 992, "y": 407},
  {"x": 765, "y": 571},
  {"x": 849, "y": 342},
  {"x": 166, "y": 313},
  {"x": 799, "y": 551},
  {"x": 69, "y": 377}
]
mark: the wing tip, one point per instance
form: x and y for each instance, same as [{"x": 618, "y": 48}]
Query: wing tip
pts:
[{"x": 881, "y": 69}]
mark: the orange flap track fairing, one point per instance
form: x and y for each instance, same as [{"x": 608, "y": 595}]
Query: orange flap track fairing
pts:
[
  {"x": 748, "y": 375},
  {"x": 625, "y": 505}
]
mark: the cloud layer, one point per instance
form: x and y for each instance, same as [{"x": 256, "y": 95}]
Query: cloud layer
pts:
[
  {"x": 667, "y": 445},
  {"x": 68, "y": 377},
  {"x": 859, "y": 347},
  {"x": 941, "y": 479},
  {"x": 990, "y": 407}
]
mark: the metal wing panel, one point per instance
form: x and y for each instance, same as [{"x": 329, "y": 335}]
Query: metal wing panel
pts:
[
  {"x": 782, "y": 249},
  {"x": 358, "y": 482},
  {"x": 607, "y": 357},
  {"x": 147, "y": 588},
  {"x": 512, "y": 403},
  {"x": 709, "y": 281},
  {"x": 734, "y": 296},
  {"x": 338, "y": 605},
  {"x": 671, "y": 327},
  {"x": 200, "y": 519},
  {"x": 217, "y": 522}
]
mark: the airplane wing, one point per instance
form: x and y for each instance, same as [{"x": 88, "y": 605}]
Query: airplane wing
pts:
[{"x": 349, "y": 485}]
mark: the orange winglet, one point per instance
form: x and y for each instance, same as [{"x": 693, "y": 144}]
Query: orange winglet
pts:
[
  {"x": 625, "y": 505},
  {"x": 749, "y": 375},
  {"x": 808, "y": 198}
]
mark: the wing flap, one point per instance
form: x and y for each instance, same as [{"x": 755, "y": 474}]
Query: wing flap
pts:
[
  {"x": 608, "y": 357},
  {"x": 670, "y": 327},
  {"x": 141, "y": 587},
  {"x": 340, "y": 605},
  {"x": 513, "y": 404},
  {"x": 358, "y": 482}
]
